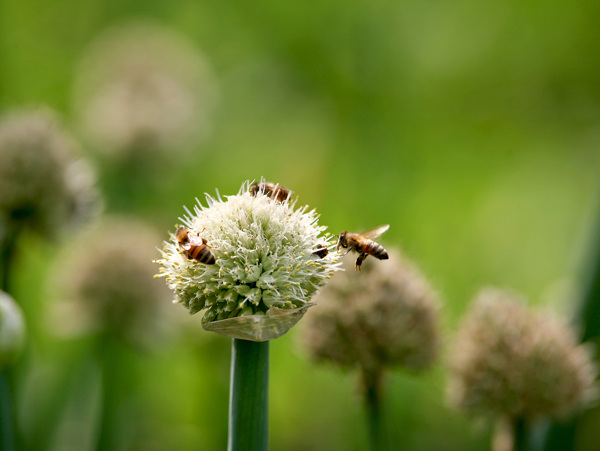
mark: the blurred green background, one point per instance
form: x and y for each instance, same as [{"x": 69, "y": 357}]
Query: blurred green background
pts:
[{"x": 472, "y": 127}]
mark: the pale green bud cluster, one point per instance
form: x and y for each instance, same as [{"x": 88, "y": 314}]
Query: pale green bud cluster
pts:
[
  {"x": 385, "y": 316},
  {"x": 518, "y": 363},
  {"x": 12, "y": 330},
  {"x": 265, "y": 264}
]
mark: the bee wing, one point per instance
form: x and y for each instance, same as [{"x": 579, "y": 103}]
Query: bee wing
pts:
[{"x": 372, "y": 234}]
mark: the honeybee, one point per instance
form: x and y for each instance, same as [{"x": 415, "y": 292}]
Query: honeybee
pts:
[
  {"x": 194, "y": 247},
  {"x": 363, "y": 244},
  {"x": 321, "y": 251},
  {"x": 281, "y": 193}
]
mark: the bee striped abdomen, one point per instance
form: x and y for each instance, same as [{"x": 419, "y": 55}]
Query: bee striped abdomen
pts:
[
  {"x": 202, "y": 254},
  {"x": 376, "y": 250}
]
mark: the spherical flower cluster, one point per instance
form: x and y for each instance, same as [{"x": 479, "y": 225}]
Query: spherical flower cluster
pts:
[
  {"x": 41, "y": 181},
  {"x": 12, "y": 330},
  {"x": 265, "y": 272},
  {"x": 518, "y": 363},
  {"x": 386, "y": 316},
  {"x": 143, "y": 87},
  {"x": 104, "y": 282}
]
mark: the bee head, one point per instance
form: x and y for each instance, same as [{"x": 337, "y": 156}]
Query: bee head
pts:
[
  {"x": 342, "y": 240},
  {"x": 182, "y": 235},
  {"x": 254, "y": 188}
]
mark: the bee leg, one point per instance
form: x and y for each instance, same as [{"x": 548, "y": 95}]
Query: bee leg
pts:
[
  {"x": 361, "y": 258},
  {"x": 338, "y": 249}
]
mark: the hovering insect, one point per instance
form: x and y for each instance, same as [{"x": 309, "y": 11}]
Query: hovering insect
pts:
[
  {"x": 194, "y": 247},
  {"x": 363, "y": 244},
  {"x": 278, "y": 192},
  {"x": 321, "y": 251}
]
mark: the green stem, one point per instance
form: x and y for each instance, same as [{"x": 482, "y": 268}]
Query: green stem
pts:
[
  {"x": 372, "y": 386},
  {"x": 520, "y": 440},
  {"x": 113, "y": 381},
  {"x": 7, "y": 254},
  {"x": 7, "y": 439},
  {"x": 7, "y": 422},
  {"x": 590, "y": 306},
  {"x": 249, "y": 396}
]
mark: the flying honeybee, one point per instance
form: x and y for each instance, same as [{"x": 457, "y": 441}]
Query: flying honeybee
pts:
[
  {"x": 278, "y": 192},
  {"x": 363, "y": 244},
  {"x": 321, "y": 251},
  {"x": 194, "y": 247}
]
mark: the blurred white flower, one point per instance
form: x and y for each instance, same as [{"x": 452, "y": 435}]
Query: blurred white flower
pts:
[
  {"x": 43, "y": 182},
  {"x": 518, "y": 363},
  {"x": 386, "y": 316},
  {"x": 143, "y": 87},
  {"x": 103, "y": 281}
]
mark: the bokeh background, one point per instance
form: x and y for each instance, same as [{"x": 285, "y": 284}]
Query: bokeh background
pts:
[{"x": 471, "y": 127}]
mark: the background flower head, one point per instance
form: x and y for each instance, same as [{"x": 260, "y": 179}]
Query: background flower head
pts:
[
  {"x": 43, "y": 182},
  {"x": 142, "y": 86},
  {"x": 517, "y": 362},
  {"x": 103, "y": 282},
  {"x": 386, "y": 316}
]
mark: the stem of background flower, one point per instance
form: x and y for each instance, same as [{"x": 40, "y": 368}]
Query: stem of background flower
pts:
[
  {"x": 249, "y": 396},
  {"x": 372, "y": 386},
  {"x": 7, "y": 439},
  {"x": 113, "y": 377},
  {"x": 7, "y": 254},
  {"x": 7, "y": 424},
  {"x": 520, "y": 436}
]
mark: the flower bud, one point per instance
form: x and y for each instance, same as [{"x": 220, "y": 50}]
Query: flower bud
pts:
[{"x": 12, "y": 330}]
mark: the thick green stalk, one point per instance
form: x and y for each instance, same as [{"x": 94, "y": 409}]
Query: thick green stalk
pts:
[
  {"x": 7, "y": 439},
  {"x": 249, "y": 396},
  {"x": 371, "y": 385}
]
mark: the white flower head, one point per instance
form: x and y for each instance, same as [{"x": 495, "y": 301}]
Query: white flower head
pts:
[{"x": 265, "y": 271}]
